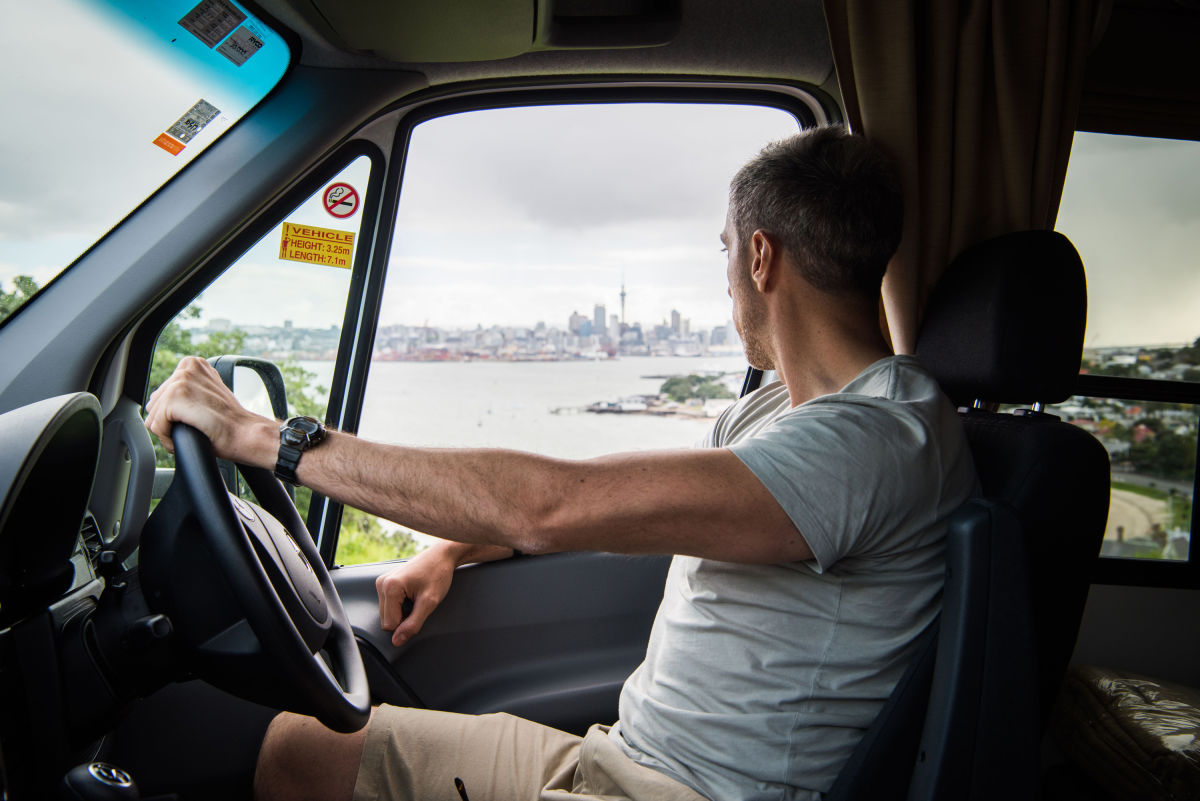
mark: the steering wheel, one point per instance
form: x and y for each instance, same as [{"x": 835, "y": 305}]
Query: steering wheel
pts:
[{"x": 247, "y": 594}]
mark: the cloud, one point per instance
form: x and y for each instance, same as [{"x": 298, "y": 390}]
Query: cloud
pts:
[
  {"x": 1132, "y": 207},
  {"x": 584, "y": 167},
  {"x": 1146, "y": 179},
  {"x": 514, "y": 216}
]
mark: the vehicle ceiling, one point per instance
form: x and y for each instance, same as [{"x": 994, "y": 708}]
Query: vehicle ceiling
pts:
[
  {"x": 1142, "y": 76},
  {"x": 714, "y": 37}
]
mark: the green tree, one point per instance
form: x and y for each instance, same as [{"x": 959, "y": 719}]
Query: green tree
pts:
[
  {"x": 24, "y": 288},
  {"x": 1166, "y": 454},
  {"x": 175, "y": 342},
  {"x": 1117, "y": 370},
  {"x": 683, "y": 388},
  {"x": 1190, "y": 354}
]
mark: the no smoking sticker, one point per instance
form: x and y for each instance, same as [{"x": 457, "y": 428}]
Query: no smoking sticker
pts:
[{"x": 340, "y": 200}]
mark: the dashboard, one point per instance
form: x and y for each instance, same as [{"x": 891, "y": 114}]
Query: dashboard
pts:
[{"x": 49, "y": 452}]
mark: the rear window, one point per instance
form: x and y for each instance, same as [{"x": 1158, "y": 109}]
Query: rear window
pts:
[{"x": 1130, "y": 206}]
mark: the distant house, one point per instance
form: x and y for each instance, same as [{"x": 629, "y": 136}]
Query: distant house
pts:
[
  {"x": 1141, "y": 433},
  {"x": 1117, "y": 449}
]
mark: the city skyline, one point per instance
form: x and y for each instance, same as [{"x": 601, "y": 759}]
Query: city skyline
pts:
[{"x": 578, "y": 336}]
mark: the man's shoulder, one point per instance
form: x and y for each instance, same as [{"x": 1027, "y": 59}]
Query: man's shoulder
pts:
[
  {"x": 750, "y": 414},
  {"x": 893, "y": 387},
  {"x": 895, "y": 378},
  {"x": 893, "y": 404}
]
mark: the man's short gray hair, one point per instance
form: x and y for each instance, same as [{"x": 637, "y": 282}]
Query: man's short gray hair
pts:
[{"x": 832, "y": 199}]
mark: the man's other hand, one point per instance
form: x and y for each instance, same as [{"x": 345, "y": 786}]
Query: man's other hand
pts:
[{"x": 425, "y": 580}]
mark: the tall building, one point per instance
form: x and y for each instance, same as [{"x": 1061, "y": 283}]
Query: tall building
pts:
[
  {"x": 622, "y": 298},
  {"x": 675, "y": 321},
  {"x": 598, "y": 319},
  {"x": 575, "y": 322}
]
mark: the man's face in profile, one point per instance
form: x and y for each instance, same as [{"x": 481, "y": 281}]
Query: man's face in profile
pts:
[{"x": 749, "y": 311}]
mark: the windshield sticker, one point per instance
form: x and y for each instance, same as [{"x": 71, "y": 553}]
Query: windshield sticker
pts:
[
  {"x": 241, "y": 45},
  {"x": 340, "y": 200},
  {"x": 186, "y": 127},
  {"x": 194, "y": 121},
  {"x": 172, "y": 146},
  {"x": 212, "y": 20},
  {"x": 313, "y": 245}
]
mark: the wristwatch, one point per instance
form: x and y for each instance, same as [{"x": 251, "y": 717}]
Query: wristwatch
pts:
[{"x": 295, "y": 437}]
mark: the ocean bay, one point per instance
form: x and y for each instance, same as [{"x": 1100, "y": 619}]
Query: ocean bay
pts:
[{"x": 533, "y": 406}]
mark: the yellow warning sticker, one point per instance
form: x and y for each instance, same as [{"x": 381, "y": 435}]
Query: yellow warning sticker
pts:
[{"x": 313, "y": 245}]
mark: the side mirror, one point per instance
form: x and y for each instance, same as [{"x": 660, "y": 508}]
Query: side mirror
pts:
[{"x": 256, "y": 381}]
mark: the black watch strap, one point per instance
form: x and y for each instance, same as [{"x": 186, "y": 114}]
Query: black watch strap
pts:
[
  {"x": 286, "y": 463},
  {"x": 295, "y": 437}
]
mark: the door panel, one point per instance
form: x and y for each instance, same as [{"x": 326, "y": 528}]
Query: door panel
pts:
[{"x": 549, "y": 638}]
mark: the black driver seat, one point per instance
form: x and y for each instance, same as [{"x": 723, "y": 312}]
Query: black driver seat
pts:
[{"x": 1004, "y": 326}]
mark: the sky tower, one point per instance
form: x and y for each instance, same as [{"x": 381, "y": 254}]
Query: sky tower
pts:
[{"x": 622, "y": 298}]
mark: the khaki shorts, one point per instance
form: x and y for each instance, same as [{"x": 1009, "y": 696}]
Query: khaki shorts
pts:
[{"x": 417, "y": 754}]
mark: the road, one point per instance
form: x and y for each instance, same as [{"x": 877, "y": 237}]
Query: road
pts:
[
  {"x": 1136, "y": 513},
  {"x": 1163, "y": 484}
]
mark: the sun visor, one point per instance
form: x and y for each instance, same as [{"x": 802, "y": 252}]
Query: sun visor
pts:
[{"x": 429, "y": 31}]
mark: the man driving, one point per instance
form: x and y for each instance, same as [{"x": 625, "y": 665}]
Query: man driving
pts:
[{"x": 807, "y": 533}]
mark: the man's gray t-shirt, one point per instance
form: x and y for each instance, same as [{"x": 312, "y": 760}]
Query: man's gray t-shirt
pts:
[{"x": 759, "y": 679}]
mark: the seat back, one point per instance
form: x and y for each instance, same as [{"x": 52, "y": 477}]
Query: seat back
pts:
[
  {"x": 1005, "y": 325},
  {"x": 978, "y": 739},
  {"x": 916, "y": 748}
]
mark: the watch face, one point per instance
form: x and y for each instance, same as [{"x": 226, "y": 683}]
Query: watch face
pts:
[
  {"x": 305, "y": 425},
  {"x": 301, "y": 432}
]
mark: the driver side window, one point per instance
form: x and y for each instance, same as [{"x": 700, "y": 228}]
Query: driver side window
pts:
[{"x": 556, "y": 285}]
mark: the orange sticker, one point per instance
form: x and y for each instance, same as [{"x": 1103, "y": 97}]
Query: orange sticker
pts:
[{"x": 169, "y": 144}]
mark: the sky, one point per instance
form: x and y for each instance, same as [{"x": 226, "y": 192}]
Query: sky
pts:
[
  {"x": 555, "y": 207},
  {"x": 512, "y": 217},
  {"x": 1132, "y": 208},
  {"x": 507, "y": 217}
]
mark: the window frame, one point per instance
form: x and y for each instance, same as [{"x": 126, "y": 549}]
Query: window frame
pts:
[{"x": 1146, "y": 572}]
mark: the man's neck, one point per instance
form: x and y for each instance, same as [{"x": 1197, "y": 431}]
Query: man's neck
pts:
[{"x": 824, "y": 351}]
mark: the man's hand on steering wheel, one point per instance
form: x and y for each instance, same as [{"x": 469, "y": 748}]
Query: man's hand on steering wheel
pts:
[{"x": 196, "y": 395}]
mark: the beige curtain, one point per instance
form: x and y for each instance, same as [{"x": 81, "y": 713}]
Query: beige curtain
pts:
[{"x": 977, "y": 100}]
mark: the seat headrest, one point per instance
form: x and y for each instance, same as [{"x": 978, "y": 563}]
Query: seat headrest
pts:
[{"x": 1006, "y": 321}]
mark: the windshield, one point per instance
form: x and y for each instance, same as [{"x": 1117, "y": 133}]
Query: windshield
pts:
[{"x": 105, "y": 101}]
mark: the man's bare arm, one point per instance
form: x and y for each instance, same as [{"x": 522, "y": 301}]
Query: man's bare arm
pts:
[
  {"x": 698, "y": 502},
  {"x": 690, "y": 502}
]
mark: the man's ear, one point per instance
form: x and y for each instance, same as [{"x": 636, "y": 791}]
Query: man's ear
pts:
[{"x": 765, "y": 252}]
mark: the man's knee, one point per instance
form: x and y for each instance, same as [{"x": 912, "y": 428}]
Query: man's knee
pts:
[{"x": 302, "y": 759}]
